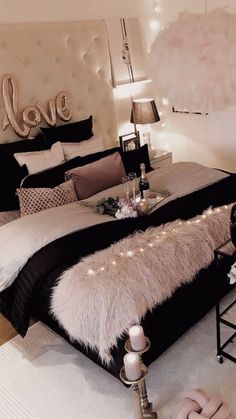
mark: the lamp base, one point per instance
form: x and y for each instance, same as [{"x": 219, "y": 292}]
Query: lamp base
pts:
[
  {"x": 146, "y": 138},
  {"x": 151, "y": 415}
]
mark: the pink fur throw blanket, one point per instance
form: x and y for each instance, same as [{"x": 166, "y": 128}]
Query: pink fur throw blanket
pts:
[{"x": 98, "y": 299}]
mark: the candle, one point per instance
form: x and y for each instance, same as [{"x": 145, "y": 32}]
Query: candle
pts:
[
  {"x": 132, "y": 366},
  {"x": 137, "y": 338}
]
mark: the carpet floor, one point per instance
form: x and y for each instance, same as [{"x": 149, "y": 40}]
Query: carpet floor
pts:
[{"x": 43, "y": 377}]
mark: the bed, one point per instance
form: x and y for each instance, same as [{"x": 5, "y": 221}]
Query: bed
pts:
[{"x": 30, "y": 292}]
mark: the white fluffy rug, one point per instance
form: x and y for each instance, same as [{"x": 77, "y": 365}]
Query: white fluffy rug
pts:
[{"x": 43, "y": 377}]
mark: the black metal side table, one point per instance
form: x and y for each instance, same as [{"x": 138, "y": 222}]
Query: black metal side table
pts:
[{"x": 228, "y": 315}]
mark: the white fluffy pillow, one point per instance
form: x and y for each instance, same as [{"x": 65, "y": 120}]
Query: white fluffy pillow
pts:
[
  {"x": 83, "y": 148},
  {"x": 41, "y": 160}
]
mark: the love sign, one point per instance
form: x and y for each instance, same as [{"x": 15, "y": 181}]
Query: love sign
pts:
[{"x": 31, "y": 116}]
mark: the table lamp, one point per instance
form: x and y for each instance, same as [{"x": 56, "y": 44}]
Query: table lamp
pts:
[{"x": 144, "y": 112}]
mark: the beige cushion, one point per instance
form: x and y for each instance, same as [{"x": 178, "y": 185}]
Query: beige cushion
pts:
[
  {"x": 97, "y": 176},
  {"x": 41, "y": 160},
  {"x": 37, "y": 199},
  {"x": 83, "y": 148}
]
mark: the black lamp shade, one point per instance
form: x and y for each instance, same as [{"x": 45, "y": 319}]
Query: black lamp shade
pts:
[{"x": 144, "y": 111}]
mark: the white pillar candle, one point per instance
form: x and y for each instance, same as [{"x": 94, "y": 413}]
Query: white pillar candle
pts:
[
  {"x": 137, "y": 338},
  {"x": 132, "y": 366}
]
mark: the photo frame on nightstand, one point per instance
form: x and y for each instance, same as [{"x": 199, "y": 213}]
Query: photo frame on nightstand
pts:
[{"x": 129, "y": 142}]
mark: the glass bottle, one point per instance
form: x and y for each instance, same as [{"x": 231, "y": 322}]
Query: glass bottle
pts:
[{"x": 144, "y": 183}]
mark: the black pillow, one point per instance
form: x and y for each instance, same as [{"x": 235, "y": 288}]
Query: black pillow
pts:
[
  {"x": 10, "y": 182},
  {"x": 133, "y": 159},
  {"x": 55, "y": 175},
  {"x": 11, "y": 173},
  {"x": 73, "y": 132},
  {"x": 36, "y": 144}
]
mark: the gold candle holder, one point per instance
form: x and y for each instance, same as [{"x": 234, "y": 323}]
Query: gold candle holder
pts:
[
  {"x": 135, "y": 390},
  {"x": 141, "y": 390}
]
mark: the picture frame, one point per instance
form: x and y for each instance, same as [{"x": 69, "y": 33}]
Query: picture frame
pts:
[{"x": 129, "y": 142}]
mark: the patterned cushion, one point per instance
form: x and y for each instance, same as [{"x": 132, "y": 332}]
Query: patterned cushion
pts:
[{"x": 37, "y": 199}]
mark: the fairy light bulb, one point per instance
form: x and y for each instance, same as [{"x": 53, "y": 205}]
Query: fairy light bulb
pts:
[
  {"x": 165, "y": 101},
  {"x": 157, "y": 9},
  {"x": 91, "y": 272},
  {"x": 130, "y": 253},
  {"x": 154, "y": 25}
]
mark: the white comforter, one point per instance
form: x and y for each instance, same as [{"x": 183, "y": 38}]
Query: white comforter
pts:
[{"x": 21, "y": 238}]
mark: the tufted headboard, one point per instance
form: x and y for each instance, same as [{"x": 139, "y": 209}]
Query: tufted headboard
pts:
[{"x": 48, "y": 58}]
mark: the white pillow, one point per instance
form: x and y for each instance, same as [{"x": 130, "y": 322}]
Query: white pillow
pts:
[
  {"x": 83, "y": 148},
  {"x": 41, "y": 160}
]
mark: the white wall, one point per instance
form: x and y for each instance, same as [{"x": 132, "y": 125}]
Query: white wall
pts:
[{"x": 210, "y": 139}]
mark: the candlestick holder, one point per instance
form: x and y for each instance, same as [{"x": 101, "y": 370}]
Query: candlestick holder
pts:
[
  {"x": 135, "y": 390},
  {"x": 146, "y": 406}
]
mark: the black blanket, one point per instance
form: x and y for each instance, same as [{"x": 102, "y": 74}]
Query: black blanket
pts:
[{"x": 30, "y": 293}]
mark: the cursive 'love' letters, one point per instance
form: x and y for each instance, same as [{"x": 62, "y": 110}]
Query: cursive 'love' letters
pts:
[{"x": 31, "y": 115}]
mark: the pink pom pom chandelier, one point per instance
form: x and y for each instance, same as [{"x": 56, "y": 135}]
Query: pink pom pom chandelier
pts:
[{"x": 192, "y": 61}]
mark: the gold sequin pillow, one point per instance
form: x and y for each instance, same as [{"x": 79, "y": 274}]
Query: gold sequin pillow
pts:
[{"x": 38, "y": 199}]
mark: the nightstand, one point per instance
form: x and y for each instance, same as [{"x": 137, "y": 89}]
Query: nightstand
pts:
[
  {"x": 160, "y": 159},
  {"x": 227, "y": 316}
]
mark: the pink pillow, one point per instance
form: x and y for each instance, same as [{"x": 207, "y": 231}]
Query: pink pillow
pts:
[{"x": 97, "y": 176}]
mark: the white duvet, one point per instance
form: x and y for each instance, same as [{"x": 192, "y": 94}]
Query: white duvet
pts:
[{"x": 23, "y": 237}]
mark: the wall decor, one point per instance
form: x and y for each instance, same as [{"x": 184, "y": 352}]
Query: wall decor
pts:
[
  {"x": 128, "y": 61},
  {"x": 31, "y": 116},
  {"x": 192, "y": 61}
]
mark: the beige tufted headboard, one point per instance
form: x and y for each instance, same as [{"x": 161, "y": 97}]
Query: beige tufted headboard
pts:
[{"x": 48, "y": 58}]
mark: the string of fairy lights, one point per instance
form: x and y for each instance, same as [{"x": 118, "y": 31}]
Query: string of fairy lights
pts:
[{"x": 157, "y": 239}]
